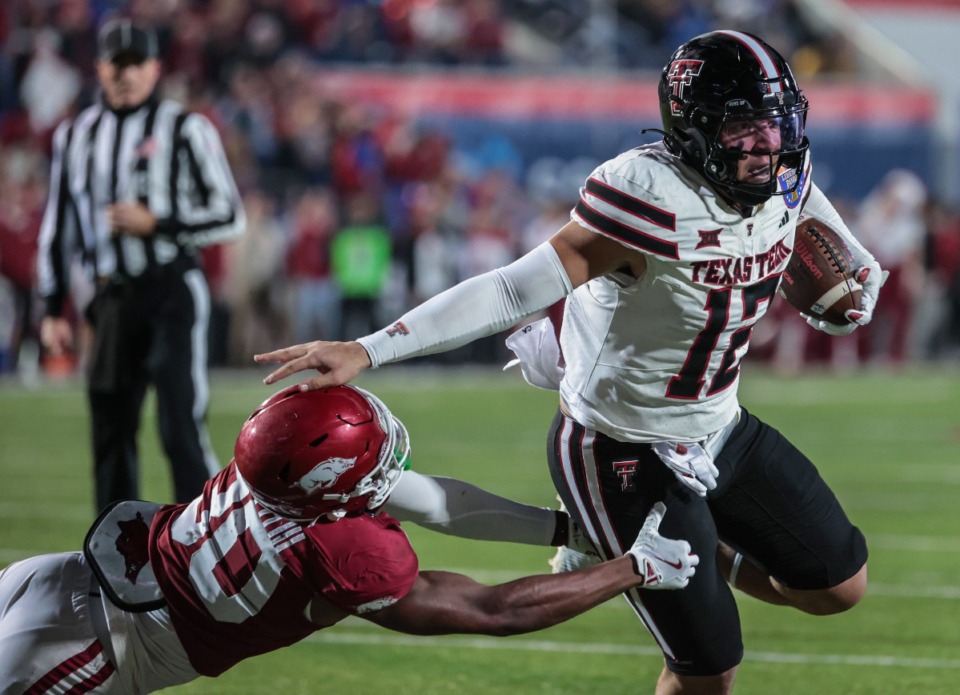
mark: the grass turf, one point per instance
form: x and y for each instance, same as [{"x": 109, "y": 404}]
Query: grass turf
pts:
[{"x": 887, "y": 444}]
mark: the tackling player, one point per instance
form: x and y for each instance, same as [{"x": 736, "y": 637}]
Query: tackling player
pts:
[
  {"x": 287, "y": 540},
  {"x": 673, "y": 253}
]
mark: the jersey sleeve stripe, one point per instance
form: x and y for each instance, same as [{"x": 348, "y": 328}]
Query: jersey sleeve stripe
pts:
[
  {"x": 626, "y": 234},
  {"x": 631, "y": 205}
]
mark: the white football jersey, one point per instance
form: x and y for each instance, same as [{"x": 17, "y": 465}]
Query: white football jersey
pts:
[{"x": 658, "y": 357}]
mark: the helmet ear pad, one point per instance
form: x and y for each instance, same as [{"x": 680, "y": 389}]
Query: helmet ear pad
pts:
[{"x": 692, "y": 146}]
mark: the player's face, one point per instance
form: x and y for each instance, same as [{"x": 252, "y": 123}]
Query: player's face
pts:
[
  {"x": 756, "y": 139},
  {"x": 128, "y": 80}
]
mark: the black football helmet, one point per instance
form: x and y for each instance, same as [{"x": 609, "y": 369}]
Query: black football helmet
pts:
[{"x": 722, "y": 77}]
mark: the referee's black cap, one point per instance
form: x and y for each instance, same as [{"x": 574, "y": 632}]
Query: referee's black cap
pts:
[{"x": 123, "y": 37}]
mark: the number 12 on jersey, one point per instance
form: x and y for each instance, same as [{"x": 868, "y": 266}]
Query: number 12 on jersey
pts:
[{"x": 722, "y": 332}]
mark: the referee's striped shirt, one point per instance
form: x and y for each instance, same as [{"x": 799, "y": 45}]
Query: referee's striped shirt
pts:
[{"x": 169, "y": 159}]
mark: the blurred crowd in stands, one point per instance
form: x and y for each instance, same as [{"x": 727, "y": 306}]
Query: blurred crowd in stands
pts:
[
  {"x": 916, "y": 238},
  {"x": 354, "y": 213}
]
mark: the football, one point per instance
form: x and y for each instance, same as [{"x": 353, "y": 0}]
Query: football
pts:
[{"x": 819, "y": 278}]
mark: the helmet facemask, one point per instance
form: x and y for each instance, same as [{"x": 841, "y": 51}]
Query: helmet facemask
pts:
[
  {"x": 723, "y": 79},
  {"x": 392, "y": 461},
  {"x": 784, "y": 160}
]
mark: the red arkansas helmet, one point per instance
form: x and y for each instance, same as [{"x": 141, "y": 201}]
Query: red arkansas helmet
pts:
[{"x": 326, "y": 452}]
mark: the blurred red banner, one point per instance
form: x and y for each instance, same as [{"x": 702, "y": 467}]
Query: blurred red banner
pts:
[{"x": 597, "y": 97}]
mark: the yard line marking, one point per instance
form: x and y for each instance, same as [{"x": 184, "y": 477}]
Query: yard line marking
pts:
[
  {"x": 898, "y": 541},
  {"x": 930, "y": 472},
  {"x": 494, "y": 643},
  {"x": 950, "y": 593},
  {"x": 944, "y": 501},
  {"x": 65, "y": 511}
]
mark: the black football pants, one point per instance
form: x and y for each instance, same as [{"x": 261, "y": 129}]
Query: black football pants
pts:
[
  {"x": 150, "y": 330},
  {"x": 770, "y": 504}
]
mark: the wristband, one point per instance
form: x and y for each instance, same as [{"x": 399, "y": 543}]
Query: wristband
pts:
[
  {"x": 735, "y": 569},
  {"x": 561, "y": 533}
]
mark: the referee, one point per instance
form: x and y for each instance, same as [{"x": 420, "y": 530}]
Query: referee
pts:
[{"x": 137, "y": 186}]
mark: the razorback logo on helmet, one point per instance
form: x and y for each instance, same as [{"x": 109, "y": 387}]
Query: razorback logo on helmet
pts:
[
  {"x": 681, "y": 74},
  {"x": 325, "y": 474}
]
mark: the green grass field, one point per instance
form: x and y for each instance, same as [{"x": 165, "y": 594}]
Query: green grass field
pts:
[{"x": 887, "y": 443}]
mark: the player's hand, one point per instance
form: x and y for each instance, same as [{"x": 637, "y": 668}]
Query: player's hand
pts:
[
  {"x": 132, "y": 219},
  {"x": 578, "y": 540},
  {"x": 691, "y": 463},
  {"x": 338, "y": 363},
  {"x": 872, "y": 279},
  {"x": 834, "y": 329},
  {"x": 56, "y": 335},
  {"x": 663, "y": 563}
]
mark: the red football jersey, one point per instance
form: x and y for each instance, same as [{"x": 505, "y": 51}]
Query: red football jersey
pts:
[{"x": 239, "y": 580}]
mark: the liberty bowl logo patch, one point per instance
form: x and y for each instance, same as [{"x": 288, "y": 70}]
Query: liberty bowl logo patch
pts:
[
  {"x": 325, "y": 474},
  {"x": 788, "y": 182}
]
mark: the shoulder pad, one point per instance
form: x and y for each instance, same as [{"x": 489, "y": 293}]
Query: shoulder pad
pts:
[{"x": 117, "y": 549}]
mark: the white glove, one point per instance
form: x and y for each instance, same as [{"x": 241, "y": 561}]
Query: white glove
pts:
[
  {"x": 578, "y": 540},
  {"x": 538, "y": 354},
  {"x": 691, "y": 463},
  {"x": 662, "y": 562},
  {"x": 872, "y": 279}
]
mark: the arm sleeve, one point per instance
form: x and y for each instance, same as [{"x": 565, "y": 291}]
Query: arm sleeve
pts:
[
  {"x": 480, "y": 306},
  {"x": 57, "y": 231},
  {"x": 457, "y": 508},
  {"x": 211, "y": 212},
  {"x": 819, "y": 206}
]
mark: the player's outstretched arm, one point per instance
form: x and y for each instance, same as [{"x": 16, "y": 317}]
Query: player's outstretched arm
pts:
[
  {"x": 338, "y": 363},
  {"x": 442, "y": 603},
  {"x": 479, "y": 306},
  {"x": 458, "y": 508},
  {"x": 445, "y": 602}
]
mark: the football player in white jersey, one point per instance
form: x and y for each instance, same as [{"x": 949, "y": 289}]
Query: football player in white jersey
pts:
[
  {"x": 673, "y": 252},
  {"x": 290, "y": 538}
]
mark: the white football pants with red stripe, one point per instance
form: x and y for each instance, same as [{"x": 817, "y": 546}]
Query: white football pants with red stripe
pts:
[
  {"x": 54, "y": 635},
  {"x": 47, "y": 640}
]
